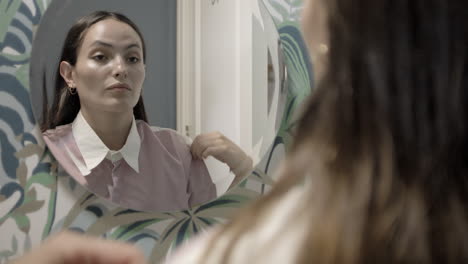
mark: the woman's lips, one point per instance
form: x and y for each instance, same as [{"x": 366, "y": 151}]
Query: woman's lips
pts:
[{"x": 119, "y": 86}]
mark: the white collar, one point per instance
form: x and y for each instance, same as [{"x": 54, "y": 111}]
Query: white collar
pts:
[{"x": 94, "y": 151}]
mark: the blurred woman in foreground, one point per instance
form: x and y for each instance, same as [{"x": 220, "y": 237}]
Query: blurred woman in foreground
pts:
[{"x": 378, "y": 172}]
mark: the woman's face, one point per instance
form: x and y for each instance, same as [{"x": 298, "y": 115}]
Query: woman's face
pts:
[{"x": 109, "y": 70}]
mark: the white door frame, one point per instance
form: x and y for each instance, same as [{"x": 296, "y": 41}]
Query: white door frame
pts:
[{"x": 188, "y": 73}]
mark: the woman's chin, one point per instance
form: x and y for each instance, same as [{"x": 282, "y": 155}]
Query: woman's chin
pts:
[
  {"x": 118, "y": 108},
  {"x": 120, "y": 105}
]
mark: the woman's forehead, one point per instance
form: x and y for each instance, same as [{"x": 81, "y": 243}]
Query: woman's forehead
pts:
[{"x": 112, "y": 33}]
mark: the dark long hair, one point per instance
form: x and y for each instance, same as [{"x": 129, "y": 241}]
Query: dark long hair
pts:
[
  {"x": 383, "y": 142},
  {"x": 65, "y": 106}
]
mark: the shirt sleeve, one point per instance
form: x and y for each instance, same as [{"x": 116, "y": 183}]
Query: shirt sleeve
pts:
[{"x": 200, "y": 186}]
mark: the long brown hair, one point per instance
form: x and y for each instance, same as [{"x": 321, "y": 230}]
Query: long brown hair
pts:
[
  {"x": 383, "y": 141},
  {"x": 66, "y": 106}
]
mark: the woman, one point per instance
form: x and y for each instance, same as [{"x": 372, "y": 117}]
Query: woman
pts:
[{"x": 97, "y": 130}]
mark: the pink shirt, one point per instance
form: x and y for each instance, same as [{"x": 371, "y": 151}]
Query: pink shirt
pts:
[{"x": 154, "y": 171}]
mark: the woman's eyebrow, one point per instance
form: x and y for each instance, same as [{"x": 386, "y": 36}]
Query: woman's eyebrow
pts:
[{"x": 102, "y": 43}]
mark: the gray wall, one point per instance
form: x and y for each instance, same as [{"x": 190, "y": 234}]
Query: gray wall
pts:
[{"x": 156, "y": 19}]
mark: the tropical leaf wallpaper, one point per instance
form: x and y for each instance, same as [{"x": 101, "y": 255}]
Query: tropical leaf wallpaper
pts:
[{"x": 35, "y": 201}]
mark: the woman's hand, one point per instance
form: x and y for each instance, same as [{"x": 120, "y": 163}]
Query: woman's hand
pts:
[
  {"x": 223, "y": 149},
  {"x": 71, "y": 248}
]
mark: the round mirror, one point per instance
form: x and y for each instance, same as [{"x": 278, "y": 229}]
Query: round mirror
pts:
[{"x": 160, "y": 163}]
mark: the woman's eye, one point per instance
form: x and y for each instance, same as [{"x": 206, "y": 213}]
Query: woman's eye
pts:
[
  {"x": 99, "y": 57},
  {"x": 133, "y": 59}
]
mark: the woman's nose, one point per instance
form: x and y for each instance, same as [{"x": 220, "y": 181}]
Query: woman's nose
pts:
[{"x": 120, "y": 68}]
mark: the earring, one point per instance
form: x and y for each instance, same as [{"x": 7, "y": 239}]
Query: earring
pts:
[
  {"x": 72, "y": 90},
  {"x": 322, "y": 48}
]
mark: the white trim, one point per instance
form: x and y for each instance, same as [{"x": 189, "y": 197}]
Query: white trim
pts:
[
  {"x": 197, "y": 68},
  {"x": 186, "y": 76}
]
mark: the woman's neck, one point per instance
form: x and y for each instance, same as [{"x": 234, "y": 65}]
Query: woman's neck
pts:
[{"x": 112, "y": 128}]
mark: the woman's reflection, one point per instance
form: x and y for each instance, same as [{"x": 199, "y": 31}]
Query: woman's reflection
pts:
[{"x": 97, "y": 127}]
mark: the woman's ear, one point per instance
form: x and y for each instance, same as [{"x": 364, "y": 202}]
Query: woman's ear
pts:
[{"x": 66, "y": 70}]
